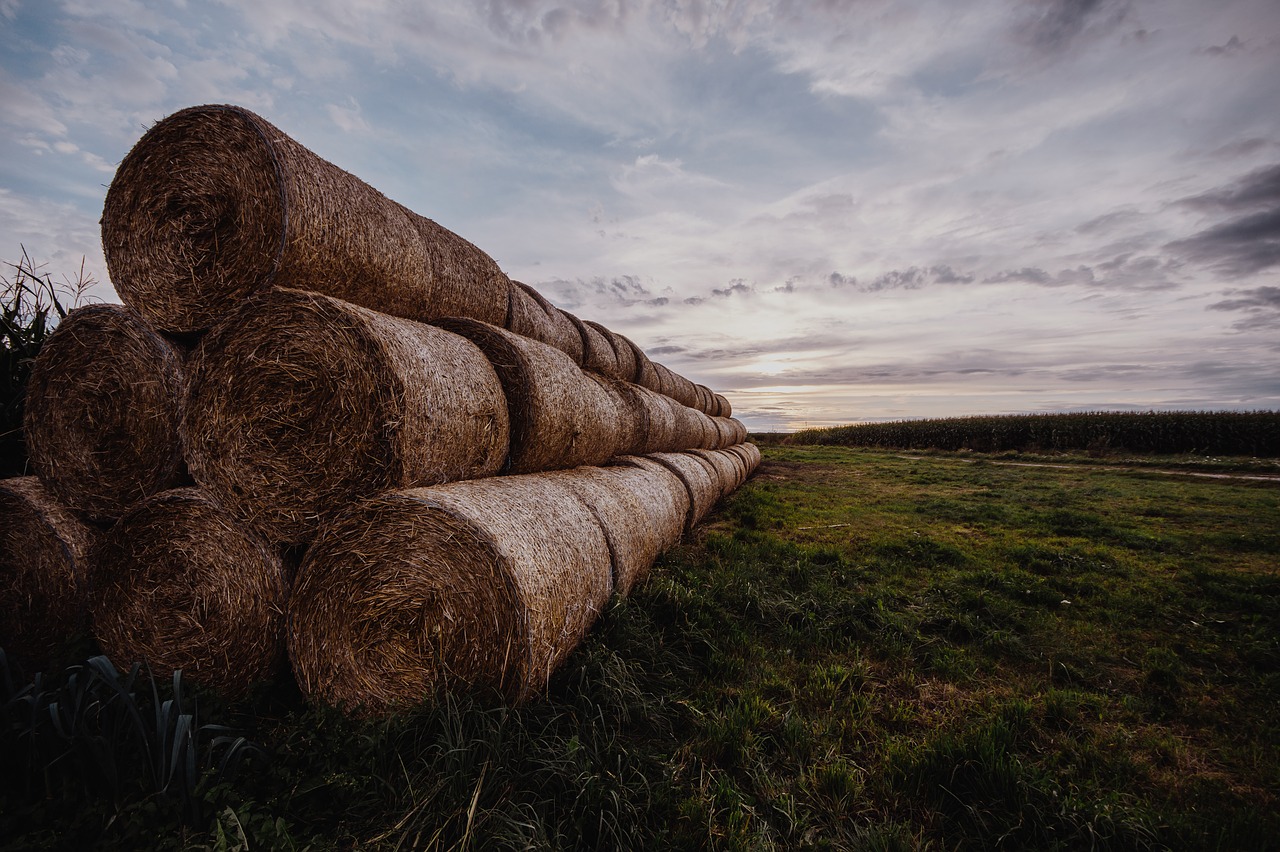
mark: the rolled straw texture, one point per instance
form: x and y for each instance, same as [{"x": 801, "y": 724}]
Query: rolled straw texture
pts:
[
  {"x": 44, "y": 571},
  {"x": 726, "y": 433},
  {"x": 214, "y": 203},
  {"x": 598, "y": 354},
  {"x": 560, "y": 416},
  {"x": 750, "y": 455},
  {"x": 531, "y": 315},
  {"x": 620, "y": 360},
  {"x": 298, "y": 404},
  {"x": 102, "y": 411},
  {"x": 658, "y": 415},
  {"x": 730, "y": 470},
  {"x": 700, "y": 478},
  {"x": 471, "y": 586},
  {"x": 182, "y": 584},
  {"x": 642, "y": 511}
]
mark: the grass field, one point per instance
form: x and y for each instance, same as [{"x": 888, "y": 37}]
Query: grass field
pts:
[{"x": 858, "y": 651}]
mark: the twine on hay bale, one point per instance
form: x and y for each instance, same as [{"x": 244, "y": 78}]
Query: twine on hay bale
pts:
[
  {"x": 560, "y": 416},
  {"x": 102, "y": 411},
  {"x": 481, "y": 586},
  {"x": 531, "y": 315},
  {"x": 214, "y": 203},
  {"x": 726, "y": 433},
  {"x": 182, "y": 584},
  {"x": 298, "y": 404},
  {"x": 750, "y": 455},
  {"x": 642, "y": 511},
  {"x": 657, "y": 413},
  {"x": 701, "y": 481},
  {"x": 44, "y": 570}
]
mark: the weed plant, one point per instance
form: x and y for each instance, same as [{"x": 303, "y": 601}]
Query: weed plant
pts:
[
  {"x": 858, "y": 651},
  {"x": 31, "y": 303}
]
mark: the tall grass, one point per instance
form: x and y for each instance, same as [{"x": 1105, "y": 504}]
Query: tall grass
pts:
[
  {"x": 31, "y": 304},
  {"x": 1217, "y": 433}
]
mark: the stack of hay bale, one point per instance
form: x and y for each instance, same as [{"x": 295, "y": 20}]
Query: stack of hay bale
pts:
[{"x": 324, "y": 428}]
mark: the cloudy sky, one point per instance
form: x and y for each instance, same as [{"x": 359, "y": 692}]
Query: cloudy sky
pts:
[{"x": 829, "y": 210}]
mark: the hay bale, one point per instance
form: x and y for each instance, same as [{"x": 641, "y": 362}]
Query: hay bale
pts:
[
  {"x": 727, "y": 435},
  {"x": 475, "y": 586},
  {"x": 182, "y": 584},
  {"x": 723, "y": 408},
  {"x": 532, "y": 316},
  {"x": 620, "y": 361},
  {"x": 729, "y": 469},
  {"x": 657, "y": 414},
  {"x": 44, "y": 570},
  {"x": 599, "y": 356},
  {"x": 750, "y": 455},
  {"x": 214, "y": 203},
  {"x": 102, "y": 411},
  {"x": 701, "y": 481},
  {"x": 642, "y": 511},
  {"x": 298, "y": 404},
  {"x": 560, "y": 416}
]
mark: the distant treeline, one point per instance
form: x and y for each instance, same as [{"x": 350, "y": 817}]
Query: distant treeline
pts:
[{"x": 1214, "y": 433}]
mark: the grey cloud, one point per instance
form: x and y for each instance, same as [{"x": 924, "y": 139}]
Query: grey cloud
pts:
[
  {"x": 625, "y": 290},
  {"x": 1261, "y": 304},
  {"x": 1059, "y": 22},
  {"x": 737, "y": 286},
  {"x": 666, "y": 350},
  {"x": 838, "y": 280},
  {"x": 1107, "y": 220},
  {"x": 1258, "y": 189},
  {"x": 1237, "y": 247},
  {"x": 1233, "y": 45},
  {"x": 912, "y": 278},
  {"x": 1121, "y": 272},
  {"x": 1027, "y": 274}
]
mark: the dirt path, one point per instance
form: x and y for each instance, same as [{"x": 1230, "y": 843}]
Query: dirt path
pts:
[{"x": 1255, "y": 477}]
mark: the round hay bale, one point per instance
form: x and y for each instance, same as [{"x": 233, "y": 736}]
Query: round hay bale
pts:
[
  {"x": 182, "y": 584},
  {"x": 44, "y": 571},
  {"x": 646, "y": 372},
  {"x": 690, "y": 431},
  {"x": 704, "y": 400},
  {"x": 723, "y": 406},
  {"x": 659, "y": 419},
  {"x": 471, "y": 586},
  {"x": 633, "y": 424},
  {"x": 532, "y": 316},
  {"x": 560, "y": 416},
  {"x": 300, "y": 403},
  {"x": 620, "y": 359},
  {"x": 628, "y": 355},
  {"x": 749, "y": 461},
  {"x": 598, "y": 353},
  {"x": 739, "y": 430},
  {"x": 727, "y": 436},
  {"x": 102, "y": 411},
  {"x": 701, "y": 481},
  {"x": 729, "y": 469},
  {"x": 642, "y": 511},
  {"x": 214, "y": 203},
  {"x": 710, "y": 434}
]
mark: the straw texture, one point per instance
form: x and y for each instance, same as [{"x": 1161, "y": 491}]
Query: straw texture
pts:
[
  {"x": 102, "y": 411},
  {"x": 598, "y": 354},
  {"x": 485, "y": 585},
  {"x": 182, "y": 584},
  {"x": 531, "y": 315},
  {"x": 701, "y": 481},
  {"x": 730, "y": 469},
  {"x": 299, "y": 404},
  {"x": 44, "y": 570},
  {"x": 560, "y": 416},
  {"x": 214, "y": 202},
  {"x": 641, "y": 510}
]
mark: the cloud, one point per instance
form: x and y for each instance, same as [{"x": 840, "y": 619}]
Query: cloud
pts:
[
  {"x": 1262, "y": 304},
  {"x": 1054, "y": 24},
  {"x": 1257, "y": 190},
  {"x": 1236, "y": 248}
]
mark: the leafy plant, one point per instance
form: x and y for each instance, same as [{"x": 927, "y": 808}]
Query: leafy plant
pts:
[{"x": 31, "y": 304}]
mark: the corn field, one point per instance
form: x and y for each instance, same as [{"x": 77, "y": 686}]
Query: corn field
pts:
[{"x": 1215, "y": 433}]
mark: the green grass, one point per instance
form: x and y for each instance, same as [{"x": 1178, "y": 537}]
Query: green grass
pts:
[{"x": 858, "y": 651}]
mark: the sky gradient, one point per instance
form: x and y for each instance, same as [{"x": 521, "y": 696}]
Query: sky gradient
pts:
[{"x": 828, "y": 211}]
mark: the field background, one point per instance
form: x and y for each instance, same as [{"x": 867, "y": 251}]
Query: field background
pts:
[{"x": 862, "y": 649}]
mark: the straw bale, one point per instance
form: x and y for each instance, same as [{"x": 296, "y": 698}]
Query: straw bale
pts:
[
  {"x": 102, "y": 411},
  {"x": 628, "y": 353},
  {"x": 44, "y": 571},
  {"x": 532, "y": 316},
  {"x": 701, "y": 481},
  {"x": 300, "y": 403},
  {"x": 598, "y": 352},
  {"x": 749, "y": 459},
  {"x": 657, "y": 415},
  {"x": 214, "y": 203},
  {"x": 633, "y": 423},
  {"x": 182, "y": 584},
  {"x": 728, "y": 435},
  {"x": 642, "y": 511},
  {"x": 621, "y": 358},
  {"x": 704, "y": 400},
  {"x": 723, "y": 406},
  {"x": 646, "y": 372},
  {"x": 560, "y": 416},
  {"x": 471, "y": 586},
  {"x": 730, "y": 471},
  {"x": 710, "y": 435}
]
